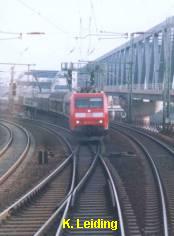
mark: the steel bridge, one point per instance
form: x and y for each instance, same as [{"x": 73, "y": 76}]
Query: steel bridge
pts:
[
  {"x": 149, "y": 56},
  {"x": 143, "y": 67}
]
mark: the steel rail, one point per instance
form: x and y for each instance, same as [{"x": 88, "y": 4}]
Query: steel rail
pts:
[
  {"x": 147, "y": 135},
  {"x": 21, "y": 157},
  {"x": 65, "y": 203},
  {"x": 85, "y": 177},
  {"x": 28, "y": 196},
  {"x": 57, "y": 134},
  {"x": 62, "y": 204},
  {"x": 46, "y": 123},
  {"x": 116, "y": 196},
  {"x": 158, "y": 178},
  {"x": 81, "y": 184},
  {"x": 71, "y": 198},
  {"x": 7, "y": 145}
]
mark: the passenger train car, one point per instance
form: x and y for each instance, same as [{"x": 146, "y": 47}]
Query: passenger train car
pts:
[{"x": 87, "y": 112}]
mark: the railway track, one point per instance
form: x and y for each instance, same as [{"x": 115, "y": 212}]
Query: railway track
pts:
[
  {"x": 83, "y": 163},
  {"x": 6, "y": 138},
  {"x": 41, "y": 208},
  {"x": 159, "y": 190},
  {"x": 85, "y": 198},
  {"x": 63, "y": 132},
  {"x": 154, "y": 221},
  {"x": 26, "y": 215},
  {"x": 14, "y": 151},
  {"x": 91, "y": 200},
  {"x": 160, "y": 156}
]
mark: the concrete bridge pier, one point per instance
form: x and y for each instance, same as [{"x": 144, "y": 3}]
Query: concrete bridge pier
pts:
[{"x": 142, "y": 109}]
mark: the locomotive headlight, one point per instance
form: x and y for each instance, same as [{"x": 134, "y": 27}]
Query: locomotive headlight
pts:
[
  {"x": 77, "y": 122},
  {"x": 100, "y": 121}
]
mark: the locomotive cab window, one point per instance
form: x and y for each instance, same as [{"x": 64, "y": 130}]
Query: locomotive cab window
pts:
[{"x": 89, "y": 102}]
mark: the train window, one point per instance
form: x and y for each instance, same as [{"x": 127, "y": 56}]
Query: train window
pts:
[{"x": 89, "y": 102}]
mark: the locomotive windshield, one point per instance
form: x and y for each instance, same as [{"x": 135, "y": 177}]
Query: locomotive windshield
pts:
[{"x": 95, "y": 102}]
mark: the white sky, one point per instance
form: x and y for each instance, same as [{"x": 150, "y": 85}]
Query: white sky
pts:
[{"x": 60, "y": 20}]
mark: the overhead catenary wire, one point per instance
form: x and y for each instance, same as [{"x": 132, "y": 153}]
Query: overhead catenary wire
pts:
[
  {"x": 10, "y": 38},
  {"x": 47, "y": 19},
  {"x": 8, "y": 32}
]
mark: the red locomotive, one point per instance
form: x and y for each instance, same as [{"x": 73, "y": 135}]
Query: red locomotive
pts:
[{"x": 89, "y": 113}]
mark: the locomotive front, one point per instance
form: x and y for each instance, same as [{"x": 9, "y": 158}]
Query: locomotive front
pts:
[{"x": 89, "y": 113}]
